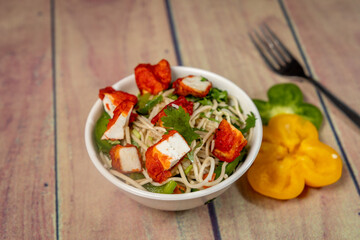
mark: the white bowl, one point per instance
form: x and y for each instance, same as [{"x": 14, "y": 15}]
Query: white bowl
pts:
[{"x": 174, "y": 202}]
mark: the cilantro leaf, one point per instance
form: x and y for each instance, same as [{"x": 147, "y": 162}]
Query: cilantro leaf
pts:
[
  {"x": 215, "y": 93},
  {"x": 205, "y": 101},
  {"x": 178, "y": 119},
  {"x": 250, "y": 123},
  {"x": 219, "y": 95}
]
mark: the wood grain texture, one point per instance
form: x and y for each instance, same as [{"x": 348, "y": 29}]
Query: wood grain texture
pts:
[
  {"x": 27, "y": 189},
  {"x": 224, "y": 47},
  {"x": 99, "y": 43},
  {"x": 331, "y": 44}
]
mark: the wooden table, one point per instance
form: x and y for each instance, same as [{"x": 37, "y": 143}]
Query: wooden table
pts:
[{"x": 55, "y": 55}]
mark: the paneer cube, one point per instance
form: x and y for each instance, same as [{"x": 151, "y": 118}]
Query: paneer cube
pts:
[
  {"x": 164, "y": 155},
  {"x": 116, "y": 125},
  {"x": 197, "y": 86},
  {"x": 153, "y": 78},
  {"x": 125, "y": 159},
  {"x": 112, "y": 98},
  {"x": 229, "y": 142}
]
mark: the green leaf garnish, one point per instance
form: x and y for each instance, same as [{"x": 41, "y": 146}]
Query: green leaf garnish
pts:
[
  {"x": 219, "y": 95},
  {"x": 215, "y": 93},
  {"x": 250, "y": 123},
  {"x": 178, "y": 119},
  {"x": 205, "y": 101}
]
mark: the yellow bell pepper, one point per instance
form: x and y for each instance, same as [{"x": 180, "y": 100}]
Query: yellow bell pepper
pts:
[{"x": 291, "y": 156}]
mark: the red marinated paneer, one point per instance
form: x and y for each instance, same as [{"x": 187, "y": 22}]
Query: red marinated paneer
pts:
[
  {"x": 153, "y": 78},
  {"x": 164, "y": 155},
  {"x": 196, "y": 86},
  {"x": 229, "y": 142},
  {"x": 112, "y": 98},
  {"x": 125, "y": 159},
  {"x": 116, "y": 126}
]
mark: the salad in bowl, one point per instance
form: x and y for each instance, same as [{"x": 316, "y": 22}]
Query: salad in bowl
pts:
[{"x": 173, "y": 137}]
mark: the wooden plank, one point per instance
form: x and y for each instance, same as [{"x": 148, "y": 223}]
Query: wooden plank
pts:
[
  {"x": 213, "y": 36},
  {"x": 27, "y": 190},
  {"x": 331, "y": 40},
  {"x": 99, "y": 43}
]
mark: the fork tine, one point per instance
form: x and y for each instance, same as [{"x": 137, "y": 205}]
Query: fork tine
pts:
[
  {"x": 274, "y": 47},
  {"x": 269, "y": 47},
  {"x": 266, "y": 59},
  {"x": 278, "y": 42}
]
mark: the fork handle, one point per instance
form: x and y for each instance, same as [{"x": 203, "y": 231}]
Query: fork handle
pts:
[{"x": 354, "y": 116}]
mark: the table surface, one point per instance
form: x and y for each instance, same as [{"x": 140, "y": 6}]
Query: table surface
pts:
[{"x": 55, "y": 55}]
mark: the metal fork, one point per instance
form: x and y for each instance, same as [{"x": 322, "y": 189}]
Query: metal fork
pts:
[{"x": 281, "y": 61}]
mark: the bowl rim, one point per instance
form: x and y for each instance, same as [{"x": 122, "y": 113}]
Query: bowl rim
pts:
[{"x": 241, "y": 170}]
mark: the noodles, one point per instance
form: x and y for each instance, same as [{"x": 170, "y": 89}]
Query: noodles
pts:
[{"x": 127, "y": 179}]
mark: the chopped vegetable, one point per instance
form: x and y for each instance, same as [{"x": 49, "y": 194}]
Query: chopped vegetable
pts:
[
  {"x": 190, "y": 155},
  {"x": 179, "y": 189},
  {"x": 135, "y": 144},
  {"x": 211, "y": 179},
  {"x": 136, "y": 176},
  {"x": 142, "y": 100},
  {"x": 167, "y": 188},
  {"x": 202, "y": 114},
  {"x": 188, "y": 169},
  {"x": 291, "y": 156},
  {"x": 287, "y": 98},
  {"x": 178, "y": 119},
  {"x": 100, "y": 128},
  {"x": 172, "y": 96},
  {"x": 230, "y": 168},
  {"x": 145, "y": 105},
  {"x": 136, "y": 133}
]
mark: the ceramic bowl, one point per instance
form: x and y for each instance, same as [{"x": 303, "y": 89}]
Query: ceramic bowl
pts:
[{"x": 175, "y": 202}]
